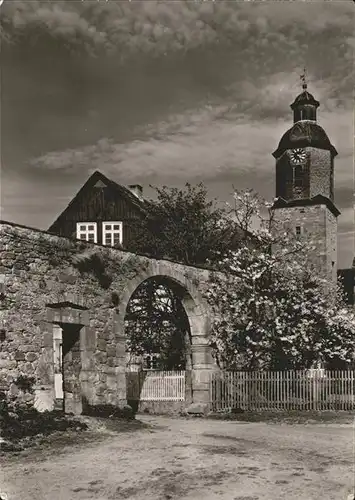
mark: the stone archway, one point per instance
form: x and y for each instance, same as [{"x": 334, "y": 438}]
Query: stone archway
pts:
[{"x": 199, "y": 321}]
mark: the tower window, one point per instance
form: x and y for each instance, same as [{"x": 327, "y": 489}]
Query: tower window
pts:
[
  {"x": 298, "y": 230},
  {"x": 298, "y": 176}
]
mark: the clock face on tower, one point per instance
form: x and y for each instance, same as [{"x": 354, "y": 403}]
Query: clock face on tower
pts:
[{"x": 298, "y": 155}]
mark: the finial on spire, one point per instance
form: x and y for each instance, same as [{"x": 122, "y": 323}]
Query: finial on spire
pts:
[{"x": 303, "y": 79}]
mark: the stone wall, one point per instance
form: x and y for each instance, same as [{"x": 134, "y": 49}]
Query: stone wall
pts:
[
  {"x": 161, "y": 407},
  {"x": 319, "y": 228},
  {"x": 332, "y": 244},
  {"x": 47, "y": 283},
  {"x": 320, "y": 172},
  {"x": 318, "y": 176}
]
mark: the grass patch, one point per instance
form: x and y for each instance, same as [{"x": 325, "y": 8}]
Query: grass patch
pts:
[
  {"x": 109, "y": 411},
  {"x": 291, "y": 417},
  {"x": 40, "y": 447},
  {"x": 22, "y": 427}
]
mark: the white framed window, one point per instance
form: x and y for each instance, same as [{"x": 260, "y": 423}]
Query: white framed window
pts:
[
  {"x": 151, "y": 361},
  {"x": 86, "y": 231},
  {"x": 299, "y": 231},
  {"x": 112, "y": 233}
]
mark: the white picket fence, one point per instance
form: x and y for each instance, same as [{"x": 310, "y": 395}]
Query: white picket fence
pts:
[
  {"x": 283, "y": 390},
  {"x": 154, "y": 385}
]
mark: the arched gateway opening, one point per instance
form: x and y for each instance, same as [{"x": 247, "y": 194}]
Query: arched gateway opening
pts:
[
  {"x": 158, "y": 335},
  {"x": 197, "y": 358}
]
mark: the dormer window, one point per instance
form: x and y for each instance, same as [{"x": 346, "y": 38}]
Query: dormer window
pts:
[
  {"x": 86, "y": 231},
  {"x": 112, "y": 233}
]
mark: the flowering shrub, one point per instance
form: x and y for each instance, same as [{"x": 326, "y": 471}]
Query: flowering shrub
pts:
[{"x": 272, "y": 309}]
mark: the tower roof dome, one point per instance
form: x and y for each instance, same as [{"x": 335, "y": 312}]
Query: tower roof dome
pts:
[
  {"x": 302, "y": 134},
  {"x": 304, "y": 98}
]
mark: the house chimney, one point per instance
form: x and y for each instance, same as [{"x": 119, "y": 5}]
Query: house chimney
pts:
[{"x": 137, "y": 190}]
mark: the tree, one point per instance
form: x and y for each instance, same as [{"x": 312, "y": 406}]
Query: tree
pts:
[
  {"x": 184, "y": 226},
  {"x": 156, "y": 322},
  {"x": 272, "y": 310}
]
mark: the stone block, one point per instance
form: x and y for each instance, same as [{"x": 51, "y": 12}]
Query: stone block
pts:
[
  {"x": 45, "y": 370},
  {"x": 105, "y": 333},
  {"x": 31, "y": 356},
  {"x": 101, "y": 345},
  {"x": 27, "y": 398},
  {"x": 111, "y": 382},
  {"x": 73, "y": 405},
  {"x": 26, "y": 348},
  {"x": 19, "y": 356},
  {"x": 87, "y": 361},
  {"x": 101, "y": 389},
  {"x": 100, "y": 357},
  {"x": 121, "y": 350},
  {"x": 121, "y": 383},
  {"x": 111, "y": 350},
  {"x": 198, "y": 409},
  {"x": 29, "y": 368},
  {"x": 48, "y": 339},
  {"x": 14, "y": 390},
  {"x": 201, "y": 376},
  {"x": 69, "y": 386},
  {"x": 110, "y": 370},
  {"x": 7, "y": 364},
  {"x": 88, "y": 338},
  {"x": 44, "y": 400},
  {"x": 111, "y": 361},
  {"x": 201, "y": 356},
  {"x": 111, "y": 398}
]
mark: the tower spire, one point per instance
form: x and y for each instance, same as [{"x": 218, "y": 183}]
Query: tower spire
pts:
[
  {"x": 304, "y": 106},
  {"x": 303, "y": 79}
]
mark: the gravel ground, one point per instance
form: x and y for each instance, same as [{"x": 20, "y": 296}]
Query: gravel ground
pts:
[{"x": 192, "y": 459}]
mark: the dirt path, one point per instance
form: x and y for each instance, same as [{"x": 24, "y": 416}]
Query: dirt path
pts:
[{"x": 194, "y": 460}]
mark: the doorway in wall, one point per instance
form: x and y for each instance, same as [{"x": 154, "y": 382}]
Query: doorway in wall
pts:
[{"x": 67, "y": 367}]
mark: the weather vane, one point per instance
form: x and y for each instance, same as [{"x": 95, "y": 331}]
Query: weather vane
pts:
[{"x": 303, "y": 79}]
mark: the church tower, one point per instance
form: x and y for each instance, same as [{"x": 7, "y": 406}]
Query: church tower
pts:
[{"x": 305, "y": 183}]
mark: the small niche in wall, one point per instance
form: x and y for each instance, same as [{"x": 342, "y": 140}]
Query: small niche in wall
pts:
[
  {"x": 2, "y": 334},
  {"x": 115, "y": 299}
]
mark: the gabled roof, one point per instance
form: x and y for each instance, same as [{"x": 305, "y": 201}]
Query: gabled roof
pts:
[
  {"x": 99, "y": 179},
  {"x": 316, "y": 200}
]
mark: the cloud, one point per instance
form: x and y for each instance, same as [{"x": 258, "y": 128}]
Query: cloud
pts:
[
  {"x": 158, "y": 28},
  {"x": 204, "y": 144},
  {"x": 207, "y": 142},
  {"x": 347, "y": 220},
  {"x": 165, "y": 91},
  {"x": 215, "y": 42}
]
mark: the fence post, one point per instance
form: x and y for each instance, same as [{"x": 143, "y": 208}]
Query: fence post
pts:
[{"x": 188, "y": 387}]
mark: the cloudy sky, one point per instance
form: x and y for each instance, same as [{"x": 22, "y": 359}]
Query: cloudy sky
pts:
[{"x": 167, "y": 92}]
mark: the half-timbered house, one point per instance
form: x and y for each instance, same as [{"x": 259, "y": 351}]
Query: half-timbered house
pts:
[{"x": 101, "y": 212}]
